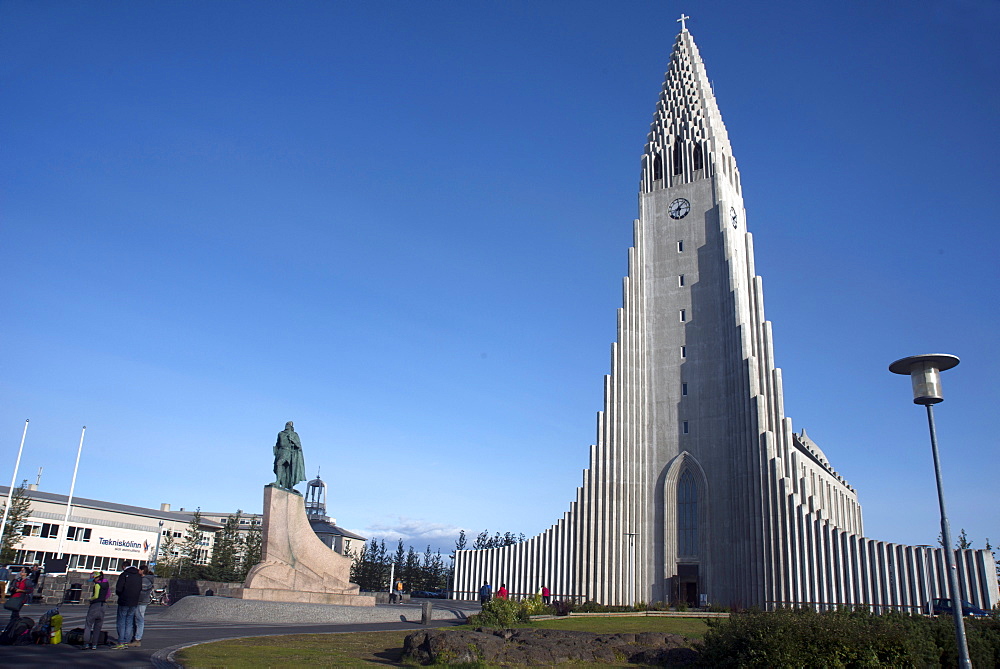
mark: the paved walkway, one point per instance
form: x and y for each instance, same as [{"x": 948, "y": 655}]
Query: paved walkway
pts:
[{"x": 163, "y": 634}]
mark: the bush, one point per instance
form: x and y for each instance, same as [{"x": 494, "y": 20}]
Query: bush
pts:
[
  {"x": 500, "y": 613},
  {"x": 563, "y": 607},
  {"x": 534, "y": 606},
  {"x": 796, "y": 638}
]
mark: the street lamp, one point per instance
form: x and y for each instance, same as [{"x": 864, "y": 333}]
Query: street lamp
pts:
[
  {"x": 631, "y": 566},
  {"x": 156, "y": 551},
  {"x": 925, "y": 373}
]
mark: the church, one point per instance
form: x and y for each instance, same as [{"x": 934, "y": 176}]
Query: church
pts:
[{"x": 698, "y": 490}]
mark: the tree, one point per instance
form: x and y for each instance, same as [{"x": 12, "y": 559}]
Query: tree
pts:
[
  {"x": 411, "y": 575},
  {"x": 192, "y": 553},
  {"x": 166, "y": 564},
  {"x": 225, "y": 563},
  {"x": 371, "y": 567},
  {"x": 20, "y": 507},
  {"x": 482, "y": 541},
  {"x": 252, "y": 548}
]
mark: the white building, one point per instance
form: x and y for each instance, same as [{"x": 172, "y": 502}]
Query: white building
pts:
[
  {"x": 698, "y": 489},
  {"x": 101, "y": 535}
]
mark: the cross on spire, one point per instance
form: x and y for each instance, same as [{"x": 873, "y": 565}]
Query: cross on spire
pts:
[{"x": 681, "y": 21}]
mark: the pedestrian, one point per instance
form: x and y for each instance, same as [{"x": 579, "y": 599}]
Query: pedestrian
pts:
[
  {"x": 546, "y": 595},
  {"x": 399, "y": 592},
  {"x": 128, "y": 589},
  {"x": 502, "y": 592},
  {"x": 95, "y": 612},
  {"x": 485, "y": 593},
  {"x": 140, "y": 610},
  {"x": 5, "y": 577},
  {"x": 35, "y": 574},
  {"x": 19, "y": 592}
]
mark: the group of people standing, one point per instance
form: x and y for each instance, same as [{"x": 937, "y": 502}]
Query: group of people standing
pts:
[
  {"x": 486, "y": 593},
  {"x": 133, "y": 589}
]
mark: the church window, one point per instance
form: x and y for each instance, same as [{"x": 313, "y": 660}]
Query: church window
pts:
[
  {"x": 684, "y": 389},
  {"x": 657, "y": 166},
  {"x": 680, "y": 280},
  {"x": 687, "y": 515},
  {"x": 684, "y": 351},
  {"x": 684, "y": 315},
  {"x": 680, "y": 246},
  {"x": 678, "y": 158},
  {"x": 699, "y": 160},
  {"x": 684, "y": 427}
]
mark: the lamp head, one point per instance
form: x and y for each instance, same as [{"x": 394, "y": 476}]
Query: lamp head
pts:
[{"x": 925, "y": 373}]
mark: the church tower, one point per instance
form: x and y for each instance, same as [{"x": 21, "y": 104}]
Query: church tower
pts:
[{"x": 698, "y": 490}]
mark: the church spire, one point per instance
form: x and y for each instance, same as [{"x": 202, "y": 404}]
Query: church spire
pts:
[{"x": 687, "y": 139}]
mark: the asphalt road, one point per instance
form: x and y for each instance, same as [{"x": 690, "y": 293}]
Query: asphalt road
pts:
[{"x": 161, "y": 635}]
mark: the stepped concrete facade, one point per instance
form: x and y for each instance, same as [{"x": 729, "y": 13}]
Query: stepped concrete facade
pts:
[{"x": 698, "y": 489}]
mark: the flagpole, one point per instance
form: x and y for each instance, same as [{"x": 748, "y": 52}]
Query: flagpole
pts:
[
  {"x": 13, "y": 479},
  {"x": 72, "y": 487}
]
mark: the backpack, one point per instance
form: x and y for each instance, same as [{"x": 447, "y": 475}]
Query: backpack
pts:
[
  {"x": 17, "y": 632},
  {"x": 43, "y": 628},
  {"x": 75, "y": 636}
]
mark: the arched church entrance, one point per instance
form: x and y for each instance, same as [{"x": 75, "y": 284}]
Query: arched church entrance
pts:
[{"x": 686, "y": 530}]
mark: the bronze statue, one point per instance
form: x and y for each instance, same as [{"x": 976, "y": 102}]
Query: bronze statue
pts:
[{"x": 289, "y": 466}]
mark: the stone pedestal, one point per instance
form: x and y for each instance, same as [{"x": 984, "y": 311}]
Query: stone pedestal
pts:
[{"x": 295, "y": 565}]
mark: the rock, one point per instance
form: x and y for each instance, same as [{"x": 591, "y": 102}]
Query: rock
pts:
[{"x": 545, "y": 647}]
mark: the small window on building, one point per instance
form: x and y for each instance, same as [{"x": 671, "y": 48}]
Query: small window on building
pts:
[
  {"x": 680, "y": 280},
  {"x": 680, "y": 246},
  {"x": 684, "y": 315},
  {"x": 684, "y": 389},
  {"x": 684, "y": 427},
  {"x": 684, "y": 351}
]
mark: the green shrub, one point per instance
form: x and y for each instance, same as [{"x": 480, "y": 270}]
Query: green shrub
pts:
[
  {"x": 534, "y": 606},
  {"x": 501, "y": 613},
  {"x": 844, "y": 638},
  {"x": 563, "y": 607},
  {"x": 591, "y": 606}
]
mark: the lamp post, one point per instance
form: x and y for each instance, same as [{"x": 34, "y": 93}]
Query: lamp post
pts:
[
  {"x": 925, "y": 373},
  {"x": 631, "y": 567},
  {"x": 156, "y": 551}
]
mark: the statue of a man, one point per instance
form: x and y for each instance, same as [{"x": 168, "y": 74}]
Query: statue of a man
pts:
[{"x": 289, "y": 466}]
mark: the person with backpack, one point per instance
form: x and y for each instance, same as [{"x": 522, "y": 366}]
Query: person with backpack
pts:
[
  {"x": 18, "y": 629},
  {"x": 140, "y": 612},
  {"x": 95, "y": 613},
  {"x": 128, "y": 589},
  {"x": 19, "y": 593}
]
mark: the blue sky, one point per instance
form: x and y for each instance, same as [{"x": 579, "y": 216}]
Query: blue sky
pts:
[{"x": 404, "y": 227}]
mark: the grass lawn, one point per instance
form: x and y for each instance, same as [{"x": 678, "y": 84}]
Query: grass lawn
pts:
[
  {"x": 386, "y": 648},
  {"x": 693, "y": 628}
]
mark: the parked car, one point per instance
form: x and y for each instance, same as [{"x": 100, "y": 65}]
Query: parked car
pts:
[
  {"x": 943, "y": 606},
  {"x": 430, "y": 594}
]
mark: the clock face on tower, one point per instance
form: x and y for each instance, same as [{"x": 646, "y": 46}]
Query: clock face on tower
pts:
[
  {"x": 733, "y": 217},
  {"x": 679, "y": 208}
]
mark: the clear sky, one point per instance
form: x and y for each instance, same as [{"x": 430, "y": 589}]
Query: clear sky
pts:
[{"x": 404, "y": 226}]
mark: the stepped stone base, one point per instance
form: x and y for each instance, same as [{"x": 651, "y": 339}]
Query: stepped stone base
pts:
[{"x": 295, "y": 565}]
